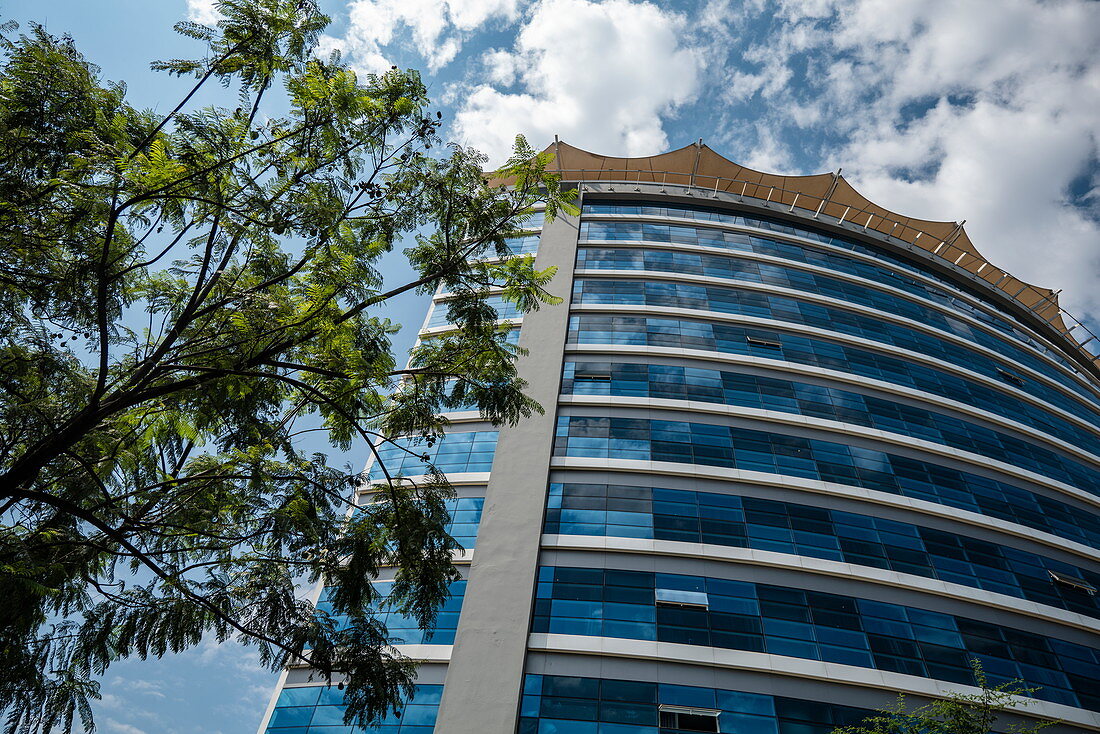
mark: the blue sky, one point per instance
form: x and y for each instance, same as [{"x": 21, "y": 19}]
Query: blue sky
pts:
[{"x": 984, "y": 110}]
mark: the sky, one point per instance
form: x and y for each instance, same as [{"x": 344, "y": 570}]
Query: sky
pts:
[{"x": 983, "y": 110}]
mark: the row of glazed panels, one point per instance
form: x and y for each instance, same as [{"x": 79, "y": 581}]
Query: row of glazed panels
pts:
[
  {"x": 803, "y": 530},
  {"x": 770, "y": 453},
  {"x": 707, "y": 336},
  {"x": 402, "y": 629},
  {"x": 456, "y": 452},
  {"x": 753, "y": 271},
  {"x": 440, "y": 314},
  {"x": 575, "y": 705},
  {"x": 791, "y": 622},
  {"x": 617, "y": 379},
  {"x": 660, "y": 295},
  {"x": 615, "y": 232},
  {"x": 741, "y": 220},
  {"x": 926, "y": 378},
  {"x": 555, "y": 704},
  {"x": 707, "y": 444},
  {"x": 320, "y": 710},
  {"x": 895, "y": 334},
  {"x": 740, "y": 269}
]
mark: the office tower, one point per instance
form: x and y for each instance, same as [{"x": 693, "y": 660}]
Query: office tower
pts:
[{"x": 800, "y": 453}]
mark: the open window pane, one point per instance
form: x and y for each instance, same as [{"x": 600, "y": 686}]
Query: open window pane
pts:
[
  {"x": 678, "y": 598},
  {"x": 685, "y": 719}
]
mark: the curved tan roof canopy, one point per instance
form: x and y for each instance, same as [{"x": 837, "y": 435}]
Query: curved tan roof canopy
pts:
[{"x": 831, "y": 196}]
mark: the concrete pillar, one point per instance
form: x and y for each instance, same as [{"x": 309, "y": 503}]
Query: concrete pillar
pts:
[{"x": 484, "y": 679}]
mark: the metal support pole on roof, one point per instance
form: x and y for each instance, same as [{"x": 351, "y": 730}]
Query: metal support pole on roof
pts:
[
  {"x": 694, "y": 168},
  {"x": 770, "y": 192},
  {"x": 796, "y": 195},
  {"x": 841, "y": 220},
  {"x": 744, "y": 187},
  {"x": 829, "y": 193},
  {"x": 954, "y": 235},
  {"x": 868, "y": 222},
  {"x": 1052, "y": 300},
  {"x": 714, "y": 195}
]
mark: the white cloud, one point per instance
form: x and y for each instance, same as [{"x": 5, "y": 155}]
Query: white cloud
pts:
[
  {"x": 600, "y": 75},
  {"x": 203, "y": 11},
  {"x": 987, "y": 110},
  {"x": 436, "y": 28},
  {"x": 117, "y": 727}
]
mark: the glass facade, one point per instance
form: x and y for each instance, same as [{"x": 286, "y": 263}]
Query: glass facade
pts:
[
  {"x": 404, "y": 630},
  {"x": 758, "y": 304},
  {"x": 466, "y": 451},
  {"x": 320, "y": 710},
  {"x": 504, "y": 309},
  {"x": 557, "y": 704},
  {"x": 747, "y": 390},
  {"x": 816, "y": 401},
  {"x": 705, "y": 444},
  {"x": 798, "y": 349},
  {"x": 612, "y": 232},
  {"x": 816, "y": 532},
  {"x": 804, "y": 624}
]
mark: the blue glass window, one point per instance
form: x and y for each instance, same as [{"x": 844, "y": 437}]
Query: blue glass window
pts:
[
  {"x": 470, "y": 451},
  {"x": 782, "y": 308},
  {"x": 734, "y": 268},
  {"x": 534, "y": 221},
  {"x": 787, "y": 250},
  {"x": 784, "y": 527},
  {"x": 465, "y": 513},
  {"x": 568, "y": 705},
  {"x": 786, "y": 396},
  {"x": 761, "y": 343},
  {"x": 465, "y": 518},
  {"x": 819, "y": 626},
  {"x": 527, "y": 245},
  {"x": 320, "y": 710},
  {"x": 504, "y": 309},
  {"x": 711, "y": 445},
  {"x": 511, "y": 336},
  {"x": 404, "y": 630}
]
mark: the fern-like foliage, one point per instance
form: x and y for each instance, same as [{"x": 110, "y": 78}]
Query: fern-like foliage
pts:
[
  {"x": 178, "y": 293},
  {"x": 984, "y": 712}
]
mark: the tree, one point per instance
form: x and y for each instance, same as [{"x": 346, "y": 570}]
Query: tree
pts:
[
  {"x": 959, "y": 713},
  {"x": 180, "y": 295}
]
